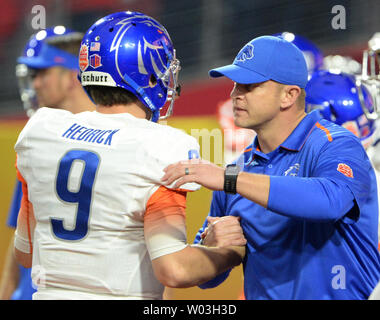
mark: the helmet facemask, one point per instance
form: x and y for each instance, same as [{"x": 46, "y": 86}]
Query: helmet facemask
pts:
[
  {"x": 170, "y": 81},
  {"x": 370, "y": 78},
  {"x": 25, "y": 84}
]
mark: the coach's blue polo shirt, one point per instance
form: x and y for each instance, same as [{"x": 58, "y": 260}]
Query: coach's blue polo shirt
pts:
[{"x": 318, "y": 237}]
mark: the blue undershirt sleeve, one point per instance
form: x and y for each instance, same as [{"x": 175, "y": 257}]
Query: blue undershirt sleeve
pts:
[
  {"x": 340, "y": 182},
  {"x": 15, "y": 206},
  {"x": 317, "y": 199}
]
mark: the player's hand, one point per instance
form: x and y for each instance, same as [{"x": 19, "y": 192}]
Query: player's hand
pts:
[
  {"x": 223, "y": 232},
  {"x": 200, "y": 171}
]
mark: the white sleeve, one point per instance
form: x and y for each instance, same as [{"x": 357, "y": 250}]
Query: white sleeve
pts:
[
  {"x": 173, "y": 146},
  {"x": 375, "y": 295},
  {"x": 21, "y": 143},
  {"x": 186, "y": 152}
]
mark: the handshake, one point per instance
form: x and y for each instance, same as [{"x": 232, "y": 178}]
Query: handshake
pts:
[{"x": 224, "y": 232}]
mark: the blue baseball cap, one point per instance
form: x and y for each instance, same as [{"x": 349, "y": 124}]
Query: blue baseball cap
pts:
[
  {"x": 266, "y": 58},
  {"x": 39, "y": 54}
]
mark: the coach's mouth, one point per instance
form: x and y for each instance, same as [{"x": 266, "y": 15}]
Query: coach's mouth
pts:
[{"x": 238, "y": 110}]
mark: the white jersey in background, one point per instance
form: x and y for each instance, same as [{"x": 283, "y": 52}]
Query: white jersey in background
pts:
[{"x": 89, "y": 177}]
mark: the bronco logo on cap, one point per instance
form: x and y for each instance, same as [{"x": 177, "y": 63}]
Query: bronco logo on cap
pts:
[{"x": 246, "y": 53}]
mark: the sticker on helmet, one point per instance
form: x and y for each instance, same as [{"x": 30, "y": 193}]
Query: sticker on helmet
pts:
[
  {"x": 95, "y": 46},
  {"x": 97, "y": 78},
  {"x": 83, "y": 57},
  {"x": 95, "y": 61}
]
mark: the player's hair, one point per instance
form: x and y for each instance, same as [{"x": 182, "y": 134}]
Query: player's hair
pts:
[
  {"x": 69, "y": 43},
  {"x": 108, "y": 96}
]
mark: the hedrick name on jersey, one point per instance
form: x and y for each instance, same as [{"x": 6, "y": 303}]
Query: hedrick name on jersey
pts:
[{"x": 97, "y": 136}]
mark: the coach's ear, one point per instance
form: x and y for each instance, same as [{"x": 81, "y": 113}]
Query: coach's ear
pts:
[{"x": 289, "y": 96}]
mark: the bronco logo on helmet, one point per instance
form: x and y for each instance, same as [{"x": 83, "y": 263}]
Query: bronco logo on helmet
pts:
[{"x": 136, "y": 53}]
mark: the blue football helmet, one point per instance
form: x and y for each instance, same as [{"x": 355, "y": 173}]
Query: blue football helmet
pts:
[
  {"x": 340, "y": 100},
  {"x": 40, "y": 53},
  {"x": 132, "y": 51},
  {"x": 313, "y": 55}
]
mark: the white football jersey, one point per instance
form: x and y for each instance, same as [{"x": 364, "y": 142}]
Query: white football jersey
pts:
[{"x": 89, "y": 178}]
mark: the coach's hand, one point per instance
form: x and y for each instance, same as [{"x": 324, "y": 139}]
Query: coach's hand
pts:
[
  {"x": 200, "y": 171},
  {"x": 223, "y": 231}
]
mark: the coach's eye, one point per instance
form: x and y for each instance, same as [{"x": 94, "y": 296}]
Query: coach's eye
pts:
[{"x": 247, "y": 87}]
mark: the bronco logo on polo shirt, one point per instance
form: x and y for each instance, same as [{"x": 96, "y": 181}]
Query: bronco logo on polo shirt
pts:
[{"x": 345, "y": 169}]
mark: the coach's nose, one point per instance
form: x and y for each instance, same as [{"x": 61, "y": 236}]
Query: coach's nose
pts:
[{"x": 237, "y": 91}]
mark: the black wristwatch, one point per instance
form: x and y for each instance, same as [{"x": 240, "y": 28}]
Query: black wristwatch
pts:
[{"x": 230, "y": 177}]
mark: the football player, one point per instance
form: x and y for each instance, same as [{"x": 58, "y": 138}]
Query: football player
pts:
[
  {"x": 96, "y": 222},
  {"x": 47, "y": 76},
  {"x": 341, "y": 100}
]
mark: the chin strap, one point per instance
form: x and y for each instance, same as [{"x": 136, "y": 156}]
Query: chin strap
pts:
[{"x": 141, "y": 92}]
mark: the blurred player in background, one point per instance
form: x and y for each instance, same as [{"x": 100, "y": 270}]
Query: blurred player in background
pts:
[
  {"x": 315, "y": 59},
  {"x": 47, "y": 74},
  {"x": 312, "y": 54},
  {"x": 342, "y": 100},
  {"x": 351, "y": 100},
  {"x": 337, "y": 97},
  {"x": 98, "y": 223},
  {"x": 370, "y": 76}
]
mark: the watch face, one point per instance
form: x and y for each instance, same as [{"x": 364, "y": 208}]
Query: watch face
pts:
[{"x": 232, "y": 169}]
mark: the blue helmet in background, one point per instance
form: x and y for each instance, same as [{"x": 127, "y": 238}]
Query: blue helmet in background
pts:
[
  {"x": 132, "y": 51},
  {"x": 313, "y": 55},
  {"x": 40, "y": 53},
  {"x": 340, "y": 100}
]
